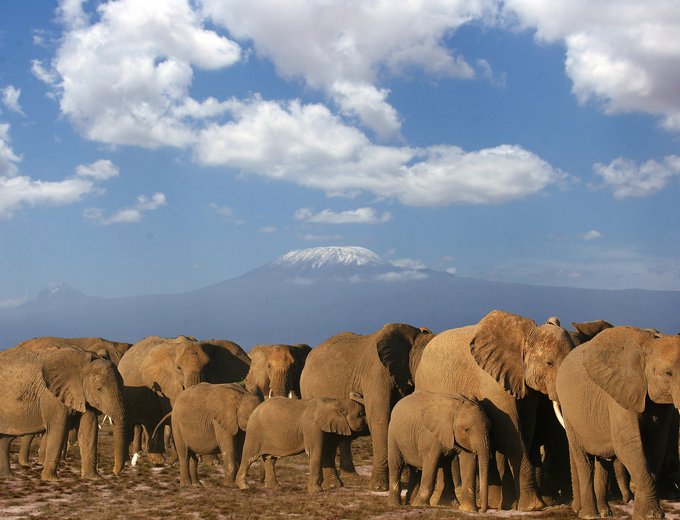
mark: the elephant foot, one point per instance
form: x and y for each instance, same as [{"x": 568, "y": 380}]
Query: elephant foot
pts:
[
  {"x": 333, "y": 482},
  {"x": 93, "y": 475},
  {"x": 605, "y": 512},
  {"x": 588, "y": 515},
  {"x": 184, "y": 483},
  {"x": 379, "y": 483},
  {"x": 468, "y": 507},
  {"x": 197, "y": 483},
  {"x": 156, "y": 459},
  {"x": 394, "y": 500},
  {"x": 530, "y": 502},
  {"x": 49, "y": 477},
  {"x": 548, "y": 500},
  {"x": 117, "y": 470},
  {"x": 420, "y": 501},
  {"x": 210, "y": 460},
  {"x": 24, "y": 462},
  {"x": 652, "y": 512},
  {"x": 626, "y": 497},
  {"x": 314, "y": 488},
  {"x": 272, "y": 485},
  {"x": 6, "y": 475},
  {"x": 495, "y": 497}
]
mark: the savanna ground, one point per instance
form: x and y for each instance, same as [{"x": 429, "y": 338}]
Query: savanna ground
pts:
[{"x": 150, "y": 492}]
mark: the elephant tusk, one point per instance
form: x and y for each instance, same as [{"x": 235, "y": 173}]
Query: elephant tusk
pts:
[
  {"x": 558, "y": 413},
  {"x": 135, "y": 458},
  {"x": 270, "y": 394},
  {"x": 291, "y": 395}
]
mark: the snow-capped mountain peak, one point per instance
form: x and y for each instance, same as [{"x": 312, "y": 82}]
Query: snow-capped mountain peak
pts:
[{"x": 322, "y": 257}]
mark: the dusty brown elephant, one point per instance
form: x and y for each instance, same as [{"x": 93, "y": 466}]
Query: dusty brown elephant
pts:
[
  {"x": 106, "y": 349},
  {"x": 281, "y": 427},
  {"x": 48, "y": 391},
  {"x": 618, "y": 393},
  {"x": 155, "y": 370},
  {"x": 501, "y": 362},
  {"x": 587, "y": 330},
  {"x": 275, "y": 369},
  {"x": 426, "y": 431},
  {"x": 380, "y": 366}
]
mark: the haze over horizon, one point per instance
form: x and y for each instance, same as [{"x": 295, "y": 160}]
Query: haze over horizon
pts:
[{"x": 167, "y": 145}]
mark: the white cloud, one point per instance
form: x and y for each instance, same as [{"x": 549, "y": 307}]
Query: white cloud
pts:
[
  {"x": 352, "y": 216},
  {"x": 628, "y": 179},
  {"x": 100, "y": 170},
  {"x": 9, "y": 303},
  {"x": 309, "y": 237},
  {"x": 624, "y": 53},
  {"x": 10, "y": 98},
  {"x": 344, "y": 46},
  {"x": 451, "y": 270},
  {"x": 130, "y": 215},
  {"x": 125, "y": 78},
  {"x": 309, "y": 146},
  {"x": 593, "y": 234},
  {"x": 8, "y": 159},
  {"x": 267, "y": 230},
  {"x": 226, "y": 212},
  {"x": 401, "y": 276},
  {"x": 410, "y": 263}
]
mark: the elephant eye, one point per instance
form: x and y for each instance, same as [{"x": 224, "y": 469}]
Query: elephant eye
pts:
[
  {"x": 550, "y": 363},
  {"x": 669, "y": 373}
]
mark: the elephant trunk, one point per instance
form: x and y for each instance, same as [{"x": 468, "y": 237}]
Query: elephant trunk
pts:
[
  {"x": 483, "y": 462},
  {"x": 120, "y": 443},
  {"x": 278, "y": 383},
  {"x": 192, "y": 378}
]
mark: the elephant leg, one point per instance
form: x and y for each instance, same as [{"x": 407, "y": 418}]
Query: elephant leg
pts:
[
  {"x": 345, "y": 452},
  {"x": 183, "y": 456},
  {"x": 427, "y": 479},
  {"x": 169, "y": 445},
  {"x": 495, "y": 483},
  {"x": 623, "y": 481},
  {"x": 87, "y": 441},
  {"x": 251, "y": 452},
  {"x": 377, "y": 415},
  {"x": 413, "y": 485},
  {"x": 584, "y": 465},
  {"x": 156, "y": 444},
  {"x": 629, "y": 450},
  {"x": 5, "y": 442},
  {"x": 575, "y": 483},
  {"x": 227, "y": 447},
  {"x": 270, "y": 480},
  {"x": 137, "y": 438},
  {"x": 55, "y": 435},
  {"x": 42, "y": 447},
  {"x": 193, "y": 469},
  {"x": 25, "y": 450},
  {"x": 395, "y": 463},
  {"x": 468, "y": 472},
  {"x": 602, "y": 472},
  {"x": 331, "y": 479}
]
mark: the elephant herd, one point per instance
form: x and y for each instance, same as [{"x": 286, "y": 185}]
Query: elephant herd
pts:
[{"x": 510, "y": 413}]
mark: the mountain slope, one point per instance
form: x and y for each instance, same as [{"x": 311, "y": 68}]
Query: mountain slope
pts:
[{"x": 309, "y": 295}]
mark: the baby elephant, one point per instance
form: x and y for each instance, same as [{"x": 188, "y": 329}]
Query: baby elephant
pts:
[
  {"x": 209, "y": 419},
  {"x": 426, "y": 430},
  {"x": 281, "y": 427}
]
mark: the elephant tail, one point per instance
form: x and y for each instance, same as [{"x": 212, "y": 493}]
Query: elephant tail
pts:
[{"x": 160, "y": 423}]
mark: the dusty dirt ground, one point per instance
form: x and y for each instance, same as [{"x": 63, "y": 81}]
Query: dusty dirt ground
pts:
[{"x": 150, "y": 492}]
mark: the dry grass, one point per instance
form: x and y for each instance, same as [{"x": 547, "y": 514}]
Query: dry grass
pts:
[{"x": 152, "y": 492}]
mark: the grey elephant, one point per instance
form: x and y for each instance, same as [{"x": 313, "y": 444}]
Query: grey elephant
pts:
[
  {"x": 155, "y": 370},
  {"x": 275, "y": 369},
  {"x": 500, "y": 362},
  {"x": 281, "y": 427},
  {"x": 106, "y": 349},
  {"x": 208, "y": 419},
  {"x": 48, "y": 391},
  {"x": 617, "y": 394},
  {"x": 426, "y": 430},
  {"x": 380, "y": 366}
]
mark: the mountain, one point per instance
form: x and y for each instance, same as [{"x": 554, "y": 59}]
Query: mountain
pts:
[{"x": 307, "y": 295}]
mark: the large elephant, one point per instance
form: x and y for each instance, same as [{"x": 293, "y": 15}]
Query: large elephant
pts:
[
  {"x": 617, "y": 393},
  {"x": 106, "y": 349},
  {"x": 275, "y": 369},
  {"x": 47, "y": 391},
  {"x": 155, "y": 370},
  {"x": 426, "y": 430},
  {"x": 587, "y": 330},
  {"x": 501, "y": 362},
  {"x": 380, "y": 366}
]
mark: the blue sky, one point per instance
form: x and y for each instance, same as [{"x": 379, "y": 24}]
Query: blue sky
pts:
[{"x": 161, "y": 146}]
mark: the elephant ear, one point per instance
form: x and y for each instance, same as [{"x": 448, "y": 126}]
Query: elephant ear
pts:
[
  {"x": 224, "y": 408},
  {"x": 394, "y": 349},
  {"x": 590, "y": 329},
  {"x": 158, "y": 370},
  {"x": 438, "y": 416},
  {"x": 257, "y": 378},
  {"x": 228, "y": 361},
  {"x": 615, "y": 362},
  {"x": 330, "y": 417},
  {"x": 498, "y": 347},
  {"x": 63, "y": 371}
]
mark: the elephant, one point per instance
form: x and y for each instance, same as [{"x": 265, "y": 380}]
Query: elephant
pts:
[
  {"x": 281, "y": 427},
  {"x": 380, "y": 366},
  {"x": 587, "y": 330},
  {"x": 155, "y": 370},
  {"x": 106, "y": 349},
  {"x": 425, "y": 430},
  {"x": 275, "y": 369},
  {"x": 48, "y": 391},
  {"x": 617, "y": 394},
  {"x": 503, "y": 362},
  {"x": 208, "y": 419}
]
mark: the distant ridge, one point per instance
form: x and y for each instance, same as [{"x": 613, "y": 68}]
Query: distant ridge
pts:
[{"x": 307, "y": 295}]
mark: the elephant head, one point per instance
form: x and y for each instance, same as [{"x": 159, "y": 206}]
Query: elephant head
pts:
[
  {"x": 342, "y": 416},
  {"x": 173, "y": 365},
  {"x": 275, "y": 369},
  {"x": 518, "y": 353},
  {"x": 587, "y": 330},
  {"x": 399, "y": 348},
  {"x": 458, "y": 422},
  {"x": 82, "y": 381},
  {"x": 631, "y": 364}
]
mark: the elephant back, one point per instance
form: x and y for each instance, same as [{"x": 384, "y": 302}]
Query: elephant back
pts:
[{"x": 438, "y": 368}]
